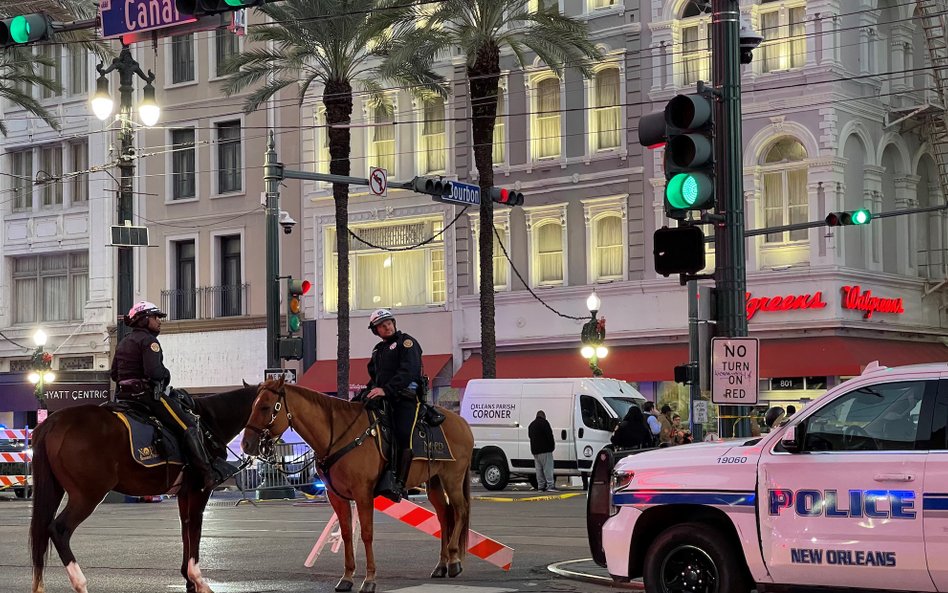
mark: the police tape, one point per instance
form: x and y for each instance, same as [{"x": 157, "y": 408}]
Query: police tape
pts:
[
  {"x": 563, "y": 496},
  {"x": 15, "y": 457},
  {"x": 15, "y": 435}
]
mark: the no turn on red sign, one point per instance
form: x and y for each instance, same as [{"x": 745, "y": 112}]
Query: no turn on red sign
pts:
[{"x": 735, "y": 371}]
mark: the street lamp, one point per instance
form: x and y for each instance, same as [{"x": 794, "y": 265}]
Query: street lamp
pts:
[
  {"x": 593, "y": 335},
  {"x": 149, "y": 113},
  {"x": 41, "y": 364}
]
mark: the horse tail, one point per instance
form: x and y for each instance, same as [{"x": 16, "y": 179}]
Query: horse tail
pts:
[
  {"x": 47, "y": 494},
  {"x": 466, "y": 526}
]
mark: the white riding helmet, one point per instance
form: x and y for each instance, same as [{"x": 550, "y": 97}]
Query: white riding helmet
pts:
[
  {"x": 378, "y": 316},
  {"x": 143, "y": 309}
]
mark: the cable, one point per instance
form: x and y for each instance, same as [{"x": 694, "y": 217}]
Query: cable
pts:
[
  {"x": 423, "y": 243},
  {"x": 15, "y": 343}
]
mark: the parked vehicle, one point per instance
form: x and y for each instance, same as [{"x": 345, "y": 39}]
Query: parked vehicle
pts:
[
  {"x": 582, "y": 412},
  {"x": 847, "y": 494}
]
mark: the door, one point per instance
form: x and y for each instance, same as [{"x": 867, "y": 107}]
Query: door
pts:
[
  {"x": 593, "y": 429},
  {"x": 846, "y": 510},
  {"x": 935, "y": 500}
]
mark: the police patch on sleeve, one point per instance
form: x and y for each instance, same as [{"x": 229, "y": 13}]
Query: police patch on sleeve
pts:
[
  {"x": 408, "y": 343},
  {"x": 155, "y": 347}
]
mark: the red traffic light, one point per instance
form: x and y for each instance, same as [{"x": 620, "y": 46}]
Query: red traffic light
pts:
[
  {"x": 508, "y": 197},
  {"x": 305, "y": 286}
]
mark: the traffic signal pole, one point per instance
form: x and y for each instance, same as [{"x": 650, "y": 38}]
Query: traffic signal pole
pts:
[
  {"x": 731, "y": 274},
  {"x": 272, "y": 175}
]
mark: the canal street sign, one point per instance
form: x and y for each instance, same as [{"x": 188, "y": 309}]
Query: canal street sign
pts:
[
  {"x": 465, "y": 194},
  {"x": 126, "y": 17},
  {"x": 735, "y": 371}
]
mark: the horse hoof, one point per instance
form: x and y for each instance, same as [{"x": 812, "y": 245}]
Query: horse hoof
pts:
[
  {"x": 439, "y": 572},
  {"x": 454, "y": 569},
  {"x": 344, "y": 585},
  {"x": 367, "y": 587}
]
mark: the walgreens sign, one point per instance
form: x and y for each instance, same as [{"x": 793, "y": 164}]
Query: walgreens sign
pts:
[{"x": 853, "y": 298}]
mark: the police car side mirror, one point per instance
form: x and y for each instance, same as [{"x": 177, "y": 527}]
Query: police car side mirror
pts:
[{"x": 788, "y": 440}]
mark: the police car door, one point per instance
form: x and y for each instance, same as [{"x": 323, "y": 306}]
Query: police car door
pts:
[
  {"x": 935, "y": 499},
  {"x": 846, "y": 509}
]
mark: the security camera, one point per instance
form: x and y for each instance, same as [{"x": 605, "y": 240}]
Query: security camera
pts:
[
  {"x": 750, "y": 40},
  {"x": 287, "y": 222}
]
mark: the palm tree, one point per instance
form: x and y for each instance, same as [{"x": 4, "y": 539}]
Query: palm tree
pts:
[
  {"x": 337, "y": 43},
  {"x": 481, "y": 28}
]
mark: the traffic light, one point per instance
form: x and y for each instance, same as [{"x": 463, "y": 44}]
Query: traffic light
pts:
[
  {"x": 506, "y": 196},
  {"x": 679, "y": 250},
  {"x": 206, "y": 7},
  {"x": 24, "y": 29},
  {"x": 295, "y": 289},
  {"x": 433, "y": 186},
  {"x": 686, "y": 374},
  {"x": 689, "y": 155},
  {"x": 853, "y": 217}
]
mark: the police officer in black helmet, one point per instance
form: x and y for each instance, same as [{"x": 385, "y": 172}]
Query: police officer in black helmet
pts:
[
  {"x": 395, "y": 375},
  {"x": 139, "y": 371}
]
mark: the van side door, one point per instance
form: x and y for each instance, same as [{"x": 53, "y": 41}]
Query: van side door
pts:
[{"x": 593, "y": 429}]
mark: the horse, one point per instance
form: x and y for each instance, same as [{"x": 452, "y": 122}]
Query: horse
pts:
[
  {"x": 336, "y": 430},
  {"x": 84, "y": 451}
]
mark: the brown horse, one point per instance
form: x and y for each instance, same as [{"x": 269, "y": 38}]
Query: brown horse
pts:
[
  {"x": 84, "y": 452},
  {"x": 330, "y": 425}
]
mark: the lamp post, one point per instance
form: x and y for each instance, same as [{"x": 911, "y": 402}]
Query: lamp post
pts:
[
  {"x": 593, "y": 335},
  {"x": 41, "y": 367},
  {"x": 149, "y": 112}
]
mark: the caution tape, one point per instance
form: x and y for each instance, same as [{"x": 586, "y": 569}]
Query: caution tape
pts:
[
  {"x": 426, "y": 521},
  {"x": 15, "y": 435},
  {"x": 563, "y": 496},
  {"x": 14, "y": 457}
]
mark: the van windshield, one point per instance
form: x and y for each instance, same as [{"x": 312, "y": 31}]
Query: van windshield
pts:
[{"x": 621, "y": 405}]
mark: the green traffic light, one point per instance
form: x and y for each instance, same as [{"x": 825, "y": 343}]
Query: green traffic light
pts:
[
  {"x": 688, "y": 191},
  {"x": 861, "y": 217},
  {"x": 20, "y": 29},
  {"x": 238, "y": 3},
  {"x": 293, "y": 322}
]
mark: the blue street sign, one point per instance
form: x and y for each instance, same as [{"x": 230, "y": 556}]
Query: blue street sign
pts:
[
  {"x": 124, "y": 17},
  {"x": 464, "y": 193}
]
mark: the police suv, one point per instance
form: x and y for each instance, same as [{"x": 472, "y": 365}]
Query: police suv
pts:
[{"x": 850, "y": 493}]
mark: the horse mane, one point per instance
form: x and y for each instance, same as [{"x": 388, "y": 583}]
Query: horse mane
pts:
[{"x": 325, "y": 400}]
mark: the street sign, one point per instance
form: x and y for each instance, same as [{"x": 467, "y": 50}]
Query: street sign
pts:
[
  {"x": 378, "y": 181},
  {"x": 289, "y": 375},
  {"x": 463, "y": 193},
  {"x": 700, "y": 412},
  {"x": 735, "y": 371},
  {"x": 124, "y": 17}
]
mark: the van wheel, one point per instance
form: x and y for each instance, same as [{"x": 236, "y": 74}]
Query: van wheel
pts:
[
  {"x": 694, "y": 558},
  {"x": 494, "y": 473}
]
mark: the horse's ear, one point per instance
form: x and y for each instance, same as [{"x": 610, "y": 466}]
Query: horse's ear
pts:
[
  {"x": 245, "y": 383},
  {"x": 281, "y": 381}
]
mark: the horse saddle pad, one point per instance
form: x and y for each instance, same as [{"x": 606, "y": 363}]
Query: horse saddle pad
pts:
[
  {"x": 150, "y": 445},
  {"x": 427, "y": 442}
]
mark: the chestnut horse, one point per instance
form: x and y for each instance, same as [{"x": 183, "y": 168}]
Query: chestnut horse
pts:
[
  {"x": 84, "y": 452},
  {"x": 330, "y": 425}
]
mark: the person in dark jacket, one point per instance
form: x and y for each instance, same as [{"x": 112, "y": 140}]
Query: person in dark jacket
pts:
[
  {"x": 633, "y": 432},
  {"x": 139, "y": 371},
  {"x": 542, "y": 446}
]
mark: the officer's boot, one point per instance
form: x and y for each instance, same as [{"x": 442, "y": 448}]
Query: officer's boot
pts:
[
  {"x": 432, "y": 416},
  {"x": 199, "y": 457},
  {"x": 386, "y": 485},
  {"x": 404, "y": 466}
]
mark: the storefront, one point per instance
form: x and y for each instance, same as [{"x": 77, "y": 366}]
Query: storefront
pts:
[{"x": 18, "y": 403}]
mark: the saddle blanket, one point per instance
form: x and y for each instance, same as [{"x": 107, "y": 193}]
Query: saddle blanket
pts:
[
  {"x": 146, "y": 450},
  {"x": 427, "y": 442}
]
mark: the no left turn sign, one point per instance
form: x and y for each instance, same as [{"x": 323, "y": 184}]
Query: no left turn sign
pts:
[
  {"x": 735, "y": 371},
  {"x": 378, "y": 181}
]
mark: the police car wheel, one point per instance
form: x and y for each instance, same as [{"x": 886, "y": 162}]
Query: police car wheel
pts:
[
  {"x": 494, "y": 473},
  {"x": 693, "y": 558}
]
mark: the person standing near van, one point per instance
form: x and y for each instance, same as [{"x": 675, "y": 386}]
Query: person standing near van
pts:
[
  {"x": 651, "y": 417},
  {"x": 542, "y": 446}
]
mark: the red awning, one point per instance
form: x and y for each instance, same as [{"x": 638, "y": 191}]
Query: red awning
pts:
[
  {"x": 629, "y": 363},
  {"x": 840, "y": 356},
  {"x": 322, "y": 375}
]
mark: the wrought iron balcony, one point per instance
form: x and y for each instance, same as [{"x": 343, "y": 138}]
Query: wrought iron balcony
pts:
[{"x": 206, "y": 302}]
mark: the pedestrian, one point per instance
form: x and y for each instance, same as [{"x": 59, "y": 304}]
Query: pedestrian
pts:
[
  {"x": 774, "y": 417},
  {"x": 651, "y": 417},
  {"x": 139, "y": 372},
  {"x": 791, "y": 410},
  {"x": 395, "y": 374},
  {"x": 665, "y": 435},
  {"x": 542, "y": 446},
  {"x": 680, "y": 434},
  {"x": 633, "y": 432}
]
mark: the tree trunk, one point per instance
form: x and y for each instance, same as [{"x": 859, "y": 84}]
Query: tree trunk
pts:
[
  {"x": 337, "y": 97},
  {"x": 483, "y": 76}
]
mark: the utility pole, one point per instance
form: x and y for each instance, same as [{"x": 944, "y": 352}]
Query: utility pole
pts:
[
  {"x": 731, "y": 275},
  {"x": 272, "y": 174}
]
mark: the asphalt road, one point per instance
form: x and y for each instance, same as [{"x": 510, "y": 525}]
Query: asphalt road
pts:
[{"x": 135, "y": 548}]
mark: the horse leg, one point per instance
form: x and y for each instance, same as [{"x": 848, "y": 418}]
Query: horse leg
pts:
[
  {"x": 454, "y": 486},
  {"x": 191, "y": 505},
  {"x": 78, "y": 509},
  {"x": 436, "y": 497},
  {"x": 366, "y": 510},
  {"x": 344, "y": 512}
]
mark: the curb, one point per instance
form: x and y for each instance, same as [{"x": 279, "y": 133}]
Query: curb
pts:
[
  {"x": 557, "y": 569},
  {"x": 563, "y": 496}
]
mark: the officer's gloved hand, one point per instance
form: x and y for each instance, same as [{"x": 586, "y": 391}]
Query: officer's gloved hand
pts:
[{"x": 374, "y": 404}]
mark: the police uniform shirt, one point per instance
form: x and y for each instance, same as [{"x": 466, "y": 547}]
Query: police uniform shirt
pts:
[
  {"x": 139, "y": 356},
  {"x": 395, "y": 363}
]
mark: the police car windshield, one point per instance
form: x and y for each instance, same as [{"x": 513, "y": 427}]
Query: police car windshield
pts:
[{"x": 620, "y": 405}]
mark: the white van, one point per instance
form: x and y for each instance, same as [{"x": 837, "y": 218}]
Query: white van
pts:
[{"x": 582, "y": 413}]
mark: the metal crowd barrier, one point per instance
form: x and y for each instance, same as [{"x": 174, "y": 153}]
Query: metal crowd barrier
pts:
[
  {"x": 287, "y": 473},
  {"x": 15, "y": 465}
]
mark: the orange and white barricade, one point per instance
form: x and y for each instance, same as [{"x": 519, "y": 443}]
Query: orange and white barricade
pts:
[
  {"x": 26, "y": 457},
  {"x": 422, "y": 519}
]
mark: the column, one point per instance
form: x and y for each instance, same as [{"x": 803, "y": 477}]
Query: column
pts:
[
  {"x": 872, "y": 199},
  {"x": 899, "y": 47},
  {"x": 906, "y": 232}
]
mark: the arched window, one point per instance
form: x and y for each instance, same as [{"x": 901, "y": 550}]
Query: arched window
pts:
[
  {"x": 546, "y": 115},
  {"x": 606, "y": 111},
  {"x": 783, "y": 25},
  {"x": 607, "y": 248},
  {"x": 785, "y": 192},
  {"x": 549, "y": 249},
  {"x": 695, "y": 43}
]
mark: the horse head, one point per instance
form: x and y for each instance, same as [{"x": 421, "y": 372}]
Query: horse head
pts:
[{"x": 268, "y": 417}]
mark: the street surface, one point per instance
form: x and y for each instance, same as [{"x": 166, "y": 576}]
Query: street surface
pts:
[{"x": 136, "y": 548}]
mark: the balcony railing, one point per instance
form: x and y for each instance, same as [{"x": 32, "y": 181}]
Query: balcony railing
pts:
[{"x": 206, "y": 302}]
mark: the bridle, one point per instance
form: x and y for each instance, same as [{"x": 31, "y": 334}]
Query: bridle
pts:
[{"x": 266, "y": 437}]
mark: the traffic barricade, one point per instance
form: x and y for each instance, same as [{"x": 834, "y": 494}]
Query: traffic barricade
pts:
[
  {"x": 16, "y": 458},
  {"x": 290, "y": 468}
]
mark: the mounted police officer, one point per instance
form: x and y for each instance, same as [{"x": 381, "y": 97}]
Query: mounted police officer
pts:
[
  {"x": 395, "y": 374},
  {"x": 139, "y": 371}
]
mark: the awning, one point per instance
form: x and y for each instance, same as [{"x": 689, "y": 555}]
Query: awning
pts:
[
  {"x": 322, "y": 375},
  {"x": 839, "y": 356},
  {"x": 630, "y": 363}
]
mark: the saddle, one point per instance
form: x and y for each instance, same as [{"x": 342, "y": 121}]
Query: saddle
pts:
[
  {"x": 427, "y": 441},
  {"x": 150, "y": 443}
]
